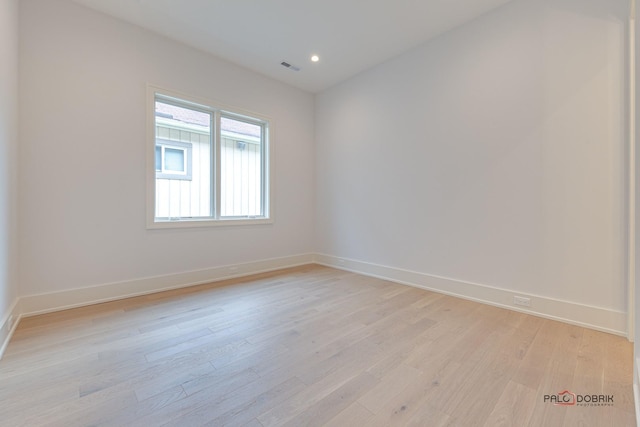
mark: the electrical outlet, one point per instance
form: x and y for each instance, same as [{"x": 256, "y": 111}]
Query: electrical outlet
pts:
[{"x": 522, "y": 301}]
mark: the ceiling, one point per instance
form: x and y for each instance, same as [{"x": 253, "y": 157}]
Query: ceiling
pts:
[{"x": 349, "y": 36}]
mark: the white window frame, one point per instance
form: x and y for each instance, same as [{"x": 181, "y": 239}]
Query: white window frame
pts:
[{"x": 216, "y": 110}]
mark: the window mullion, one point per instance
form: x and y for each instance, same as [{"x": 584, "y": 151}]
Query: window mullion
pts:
[
  {"x": 263, "y": 170},
  {"x": 217, "y": 175}
]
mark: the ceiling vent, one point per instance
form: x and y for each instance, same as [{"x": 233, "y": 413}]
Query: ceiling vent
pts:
[{"x": 289, "y": 66}]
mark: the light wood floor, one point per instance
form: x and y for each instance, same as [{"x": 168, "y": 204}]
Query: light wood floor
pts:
[{"x": 304, "y": 347}]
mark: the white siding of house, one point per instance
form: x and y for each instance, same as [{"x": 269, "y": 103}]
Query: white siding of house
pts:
[
  {"x": 240, "y": 178},
  {"x": 241, "y": 170},
  {"x": 176, "y": 198}
]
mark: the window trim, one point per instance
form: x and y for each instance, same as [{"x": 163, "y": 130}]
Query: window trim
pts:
[{"x": 217, "y": 110}]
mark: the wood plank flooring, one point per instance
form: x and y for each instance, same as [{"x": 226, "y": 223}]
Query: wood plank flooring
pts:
[{"x": 309, "y": 346}]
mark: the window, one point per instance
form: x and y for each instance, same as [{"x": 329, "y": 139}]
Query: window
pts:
[
  {"x": 207, "y": 165},
  {"x": 173, "y": 159}
]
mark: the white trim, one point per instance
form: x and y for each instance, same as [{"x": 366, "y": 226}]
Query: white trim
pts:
[
  {"x": 195, "y": 223},
  {"x": 6, "y": 331},
  {"x": 636, "y": 390},
  {"x": 631, "y": 235},
  {"x": 632, "y": 294},
  {"x": 597, "y": 318},
  {"x": 72, "y": 298},
  {"x": 636, "y": 401},
  {"x": 151, "y": 156},
  {"x": 216, "y": 164}
]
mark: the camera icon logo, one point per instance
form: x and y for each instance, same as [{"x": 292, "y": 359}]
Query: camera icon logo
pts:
[{"x": 566, "y": 398}]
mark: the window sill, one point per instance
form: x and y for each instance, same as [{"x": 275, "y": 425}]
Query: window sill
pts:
[{"x": 194, "y": 223}]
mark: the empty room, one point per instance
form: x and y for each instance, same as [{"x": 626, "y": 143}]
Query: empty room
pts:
[{"x": 318, "y": 213}]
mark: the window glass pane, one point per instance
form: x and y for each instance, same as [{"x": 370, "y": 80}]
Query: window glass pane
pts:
[
  {"x": 174, "y": 160},
  {"x": 158, "y": 158},
  {"x": 183, "y": 184},
  {"x": 240, "y": 168}
]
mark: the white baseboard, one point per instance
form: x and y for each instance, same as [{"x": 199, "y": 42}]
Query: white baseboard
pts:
[
  {"x": 591, "y": 317},
  {"x": 55, "y": 301},
  {"x": 9, "y": 324},
  {"x": 636, "y": 399},
  {"x": 597, "y": 318}
]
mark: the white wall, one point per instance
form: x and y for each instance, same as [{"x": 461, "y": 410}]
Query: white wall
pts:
[
  {"x": 8, "y": 157},
  {"x": 493, "y": 154},
  {"x": 82, "y": 179}
]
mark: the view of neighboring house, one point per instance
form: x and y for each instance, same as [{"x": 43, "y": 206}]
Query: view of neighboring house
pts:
[{"x": 184, "y": 159}]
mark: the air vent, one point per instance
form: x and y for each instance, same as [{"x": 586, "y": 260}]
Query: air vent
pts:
[{"x": 289, "y": 66}]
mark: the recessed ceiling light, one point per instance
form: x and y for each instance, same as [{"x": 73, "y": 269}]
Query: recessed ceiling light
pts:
[{"x": 315, "y": 58}]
